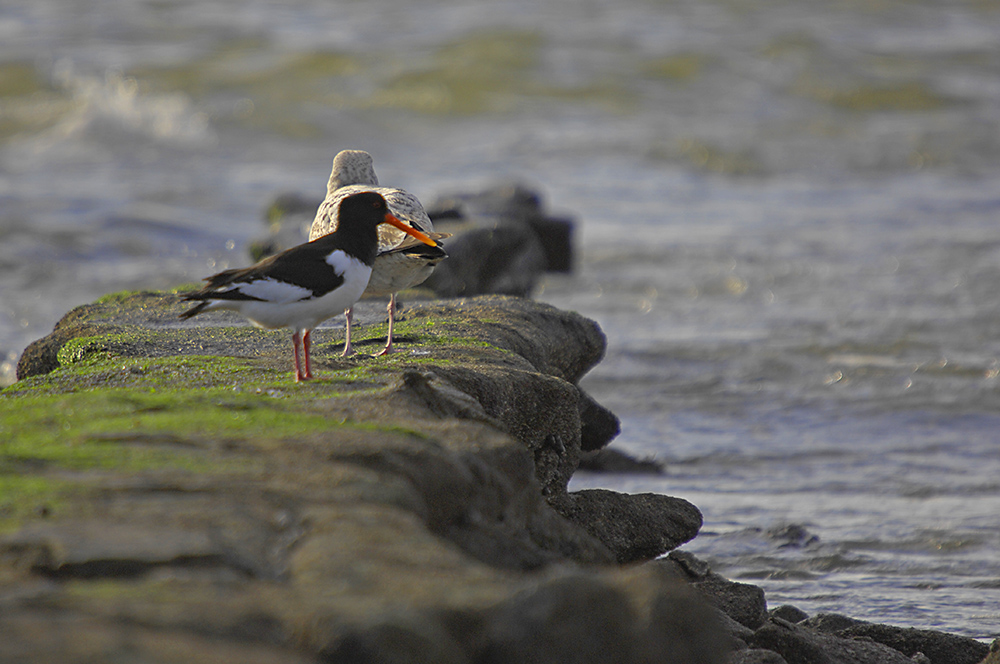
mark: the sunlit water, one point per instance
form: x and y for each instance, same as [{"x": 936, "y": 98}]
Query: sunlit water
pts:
[{"x": 788, "y": 228}]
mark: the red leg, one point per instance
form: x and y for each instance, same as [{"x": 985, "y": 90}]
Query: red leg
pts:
[
  {"x": 296, "y": 342},
  {"x": 306, "y": 345},
  {"x": 392, "y": 316},
  {"x": 349, "y": 313}
]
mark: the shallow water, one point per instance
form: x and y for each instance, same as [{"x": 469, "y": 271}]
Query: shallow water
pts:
[
  {"x": 787, "y": 228},
  {"x": 838, "y": 378}
]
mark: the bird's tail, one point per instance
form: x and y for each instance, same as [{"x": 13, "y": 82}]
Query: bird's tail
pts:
[{"x": 196, "y": 309}]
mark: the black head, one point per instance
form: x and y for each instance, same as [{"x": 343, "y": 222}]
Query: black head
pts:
[{"x": 365, "y": 209}]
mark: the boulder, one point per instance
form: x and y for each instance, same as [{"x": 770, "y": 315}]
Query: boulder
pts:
[
  {"x": 788, "y": 613},
  {"x": 742, "y": 602},
  {"x": 635, "y": 527},
  {"x": 937, "y": 647},
  {"x": 801, "y": 645},
  {"x": 179, "y": 498}
]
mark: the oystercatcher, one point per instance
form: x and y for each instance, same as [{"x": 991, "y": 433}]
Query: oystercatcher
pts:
[
  {"x": 401, "y": 262},
  {"x": 303, "y": 286}
]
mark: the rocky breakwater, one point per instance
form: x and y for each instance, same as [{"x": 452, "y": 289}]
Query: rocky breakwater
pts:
[{"x": 169, "y": 494}]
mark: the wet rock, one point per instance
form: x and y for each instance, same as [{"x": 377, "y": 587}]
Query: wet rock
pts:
[
  {"x": 609, "y": 460},
  {"x": 409, "y": 508},
  {"x": 394, "y": 509},
  {"x": 789, "y": 613},
  {"x": 801, "y": 645},
  {"x": 40, "y": 357},
  {"x": 507, "y": 260},
  {"x": 598, "y": 425},
  {"x": 937, "y": 647},
  {"x": 288, "y": 219},
  {"x": 994, "y": 653},
  {"x": 402, "y": 639},
  {"x": 690, "y": 565},
  {"x": 503, "y": 242},
  {"x": 647, "y": 630},
  {"x": 742, "y": 602},
  {"x": 510, "y": 205},
  {"x": 792, "y": 536},
  {"x": 756, "y": 656},
  {"x": 635, "y": 527},
  {"x": 831, "y": 622},
  {"x": 739, "y": 634}
]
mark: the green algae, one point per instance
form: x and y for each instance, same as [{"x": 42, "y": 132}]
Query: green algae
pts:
[
  {"x": 27, "y": 101},
  {"x": 26, "y": 497},
  {"x": 483, "y": 71},
  {"x": 51, "y": 438},
  {"x": 900, "y": 97},
  {"x": 682, "y": 67},
  {"x": 152, "y": 398}
]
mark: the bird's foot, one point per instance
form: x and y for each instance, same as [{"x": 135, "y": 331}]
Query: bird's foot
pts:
[{"x": 388, "y": 350}]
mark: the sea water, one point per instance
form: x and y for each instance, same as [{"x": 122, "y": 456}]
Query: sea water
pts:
[{"x": 787, "y": 226}]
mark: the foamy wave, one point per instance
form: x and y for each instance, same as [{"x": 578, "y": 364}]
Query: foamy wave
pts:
[{"x": 114, "y": 103}]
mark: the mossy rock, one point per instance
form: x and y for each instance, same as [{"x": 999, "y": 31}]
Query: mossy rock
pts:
[{"x": 167, "y": 490}]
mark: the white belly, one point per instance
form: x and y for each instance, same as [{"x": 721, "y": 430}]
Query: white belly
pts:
[{"x": 302, "y": 314}]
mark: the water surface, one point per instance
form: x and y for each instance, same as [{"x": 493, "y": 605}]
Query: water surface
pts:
[{"x": 787, "y": 228}]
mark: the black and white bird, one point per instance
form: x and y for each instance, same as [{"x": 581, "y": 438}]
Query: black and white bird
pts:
[
  {"x": 401, "y": 262},
  {"x": 303, "y": 286}
]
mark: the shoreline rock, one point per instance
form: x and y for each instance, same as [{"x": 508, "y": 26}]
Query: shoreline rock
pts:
[
  {"x": 176, "y": 497},
  {"x": 396, "y": 509}
]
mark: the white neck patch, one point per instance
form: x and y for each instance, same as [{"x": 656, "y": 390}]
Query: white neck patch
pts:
[{"x": 341, "y": 262}]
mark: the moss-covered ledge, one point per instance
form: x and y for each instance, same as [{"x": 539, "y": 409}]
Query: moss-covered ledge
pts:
[{"x": 167, "y": 489}]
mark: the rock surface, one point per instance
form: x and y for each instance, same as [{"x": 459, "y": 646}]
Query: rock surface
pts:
[
  {"x": 181, "y": 499},
  {"x": 170, "y": 495},
  {"x": 787, "y": 634}
]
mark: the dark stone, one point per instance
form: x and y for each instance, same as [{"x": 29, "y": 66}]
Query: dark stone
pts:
[
  {"x": 403, "y": 639},
  {"x": 598, "y": 425},
  {"x": 801, "y": 645},
  {"x": 507, "y": 260},
  {"x": 609, "y": 460},
  {"x": 556, "y": 237},
  {"x": 994, "y": 653},
  {"x": 529, "y": 627},
  {"x": 938, "y": 647},
  {"x": 756, "y": 656},
  {"x": 635, "y": 527},
  {"x": 792, "y": 535},
  {"x": 694, "y": 567},
  {"x": 742, "y": 602},
  {"x": 288, "y": 218},
  {"x": 831, "y": 622},
  {"x": 41, "y": 356},
  {"x": 503, "y": 241},
  {"x": 739, "y": 634},
  {"x": 668, "y": 625},
  {"x": 789, "y": 613}
]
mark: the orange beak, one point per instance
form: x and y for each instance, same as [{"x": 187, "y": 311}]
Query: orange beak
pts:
[{"x": 409, "y": 230}]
